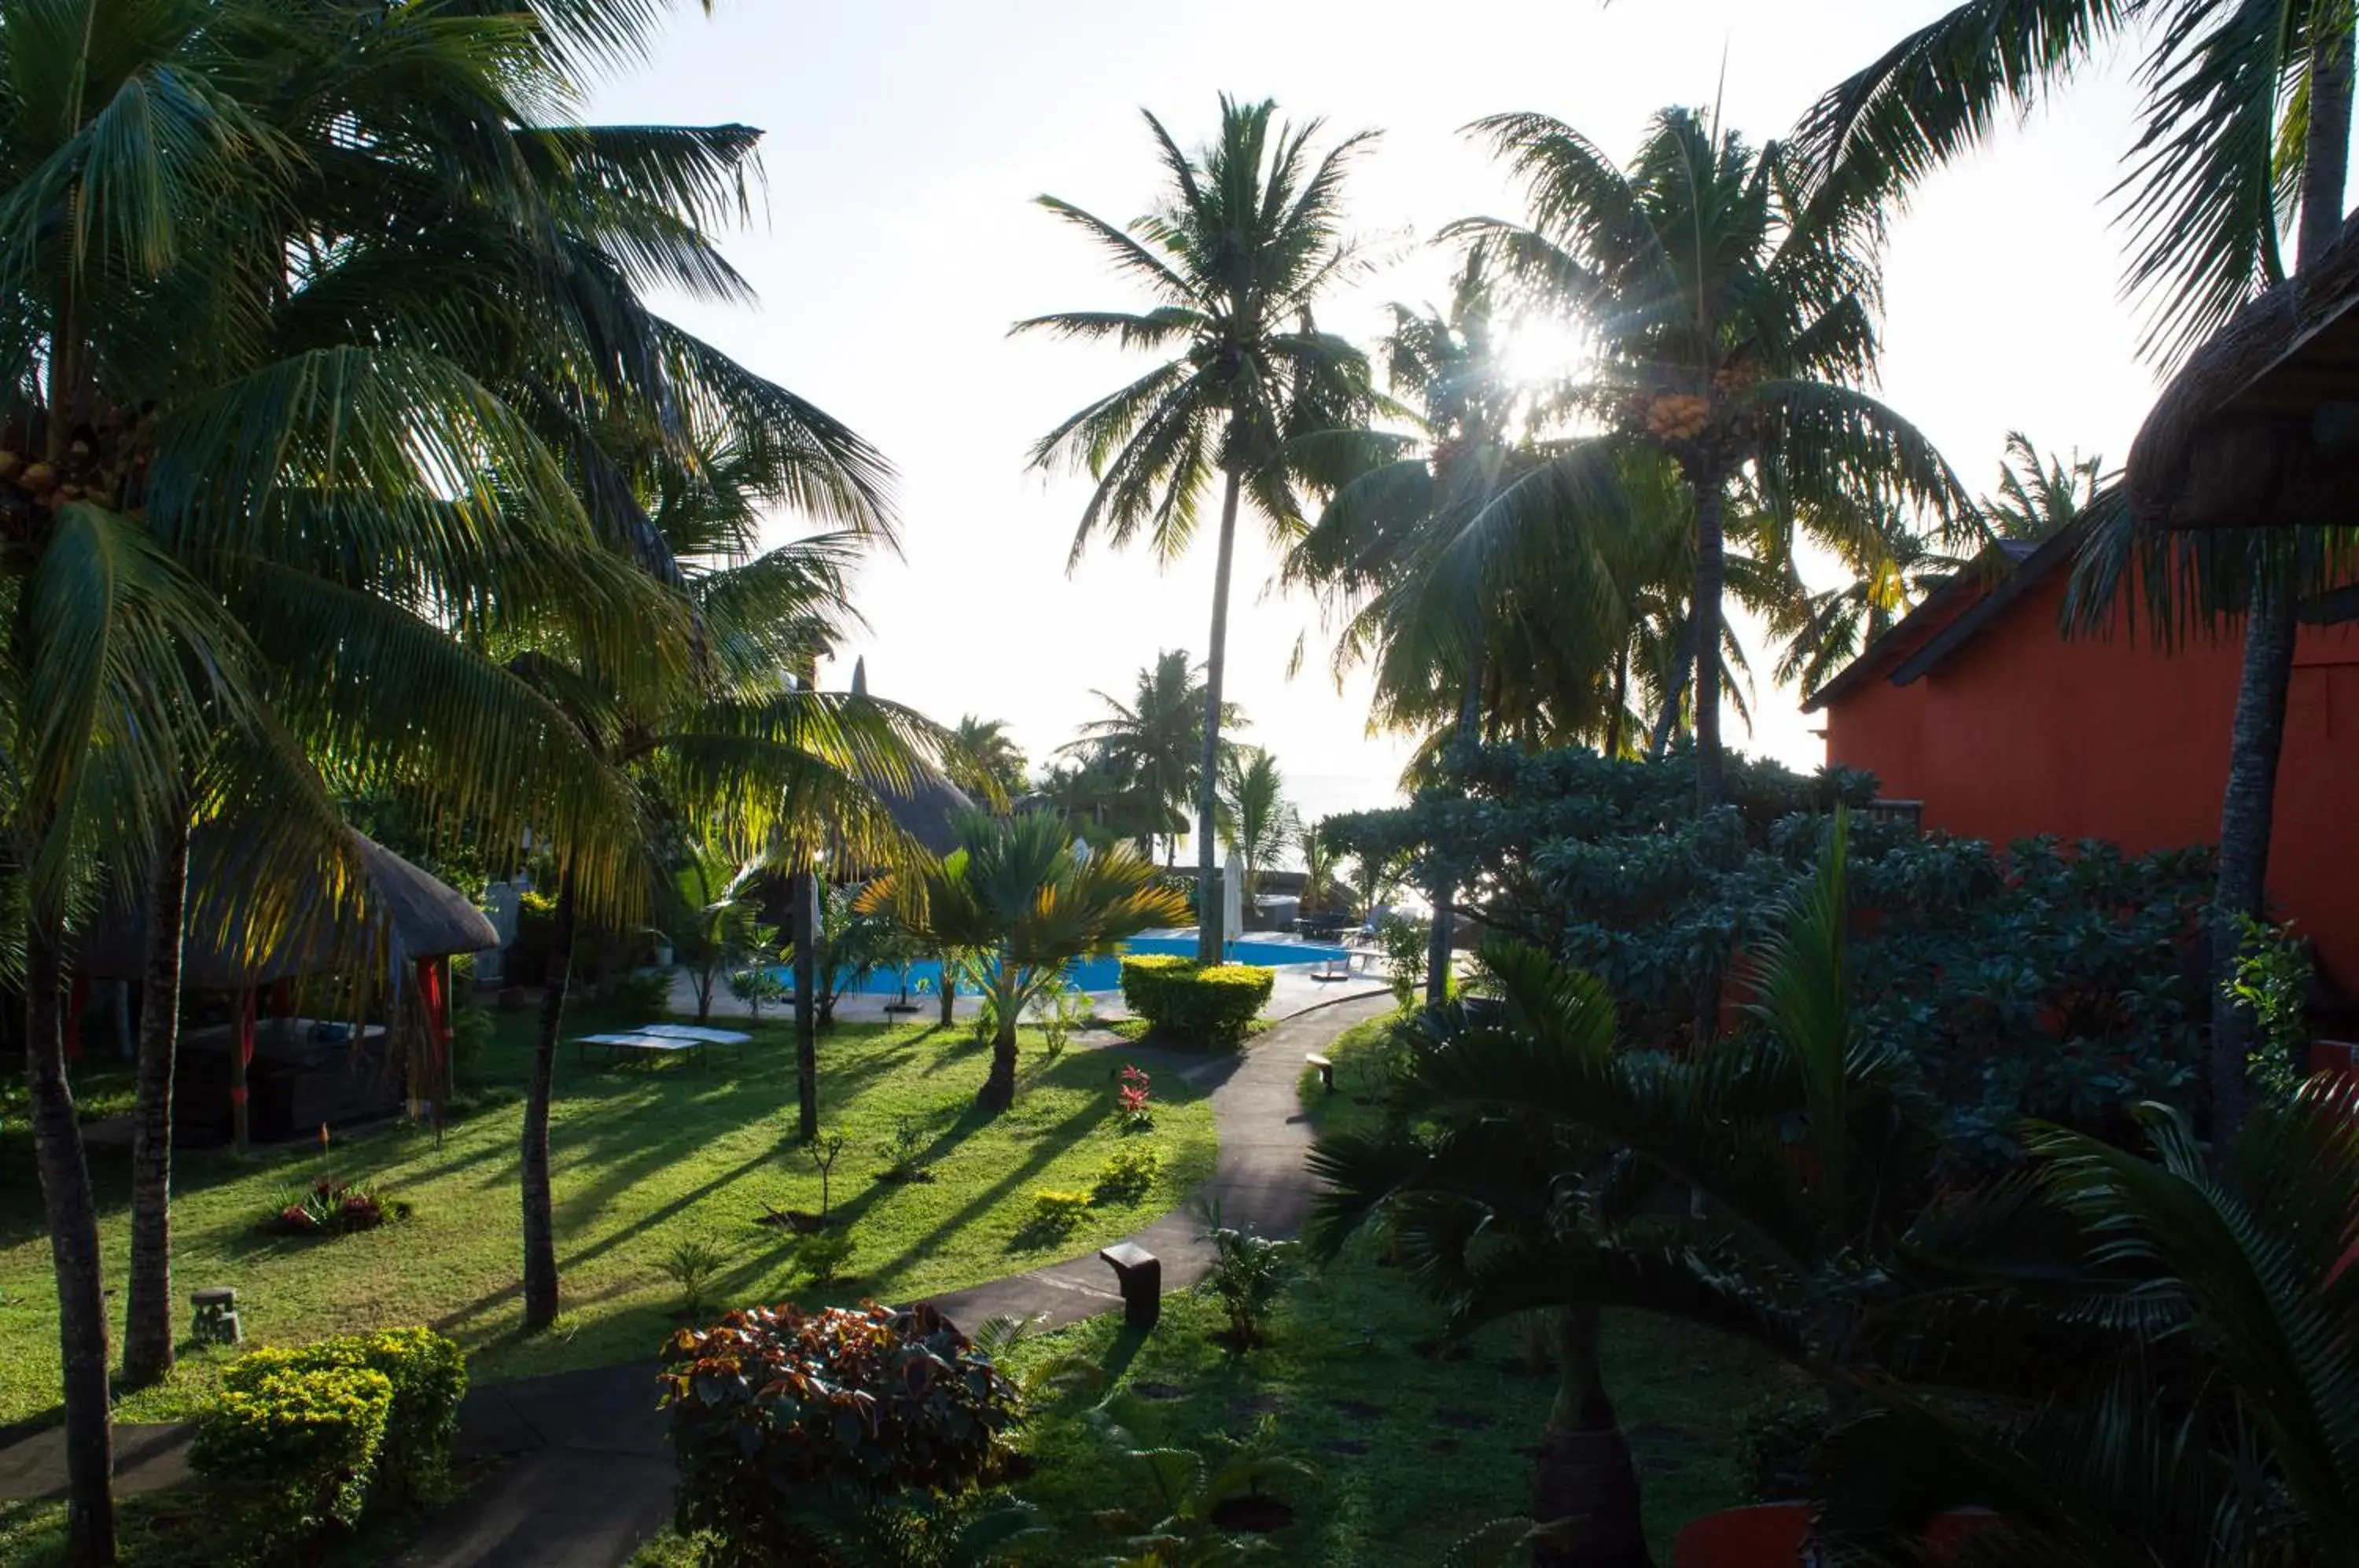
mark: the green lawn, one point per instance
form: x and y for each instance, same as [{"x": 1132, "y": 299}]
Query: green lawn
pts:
[
  {"x": 644, "y": 1159},
  {"x": 1415, "y": 1450}
]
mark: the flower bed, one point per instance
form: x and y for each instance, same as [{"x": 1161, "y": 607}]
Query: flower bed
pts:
[{"x": 329, "y": 1208}]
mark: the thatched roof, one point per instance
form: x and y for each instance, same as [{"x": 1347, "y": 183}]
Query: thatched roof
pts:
[
  {"x": 928, "y": 812},
  {"x": 403, "y": 912},
  {"x": 2261, "y": 427}
]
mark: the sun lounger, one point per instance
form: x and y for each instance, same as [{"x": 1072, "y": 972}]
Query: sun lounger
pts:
[{"x": 653, "y": 1047}]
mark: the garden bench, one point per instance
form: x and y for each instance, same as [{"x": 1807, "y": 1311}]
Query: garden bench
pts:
[
  {"x": 1326, "y": 1070},
  {"x": 1140, "y": 1274}
]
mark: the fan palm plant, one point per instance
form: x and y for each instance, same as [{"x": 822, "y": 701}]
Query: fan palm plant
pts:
[
  {"x": 1734, "y": 329},
  {"x": 1238, "y": 257},
  {"x": 2245, "y": 143},
  {"x": 1018, "y": 901}
]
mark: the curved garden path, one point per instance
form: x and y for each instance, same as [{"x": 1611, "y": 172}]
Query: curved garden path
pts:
[{"x": 587, "y": 1475}]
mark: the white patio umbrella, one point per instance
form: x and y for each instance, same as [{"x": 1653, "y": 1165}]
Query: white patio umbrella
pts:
[{"x": 1232, "y": 896}]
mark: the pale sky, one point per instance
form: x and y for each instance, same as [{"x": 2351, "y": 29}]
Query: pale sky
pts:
[{"x": 907, "y": 139}]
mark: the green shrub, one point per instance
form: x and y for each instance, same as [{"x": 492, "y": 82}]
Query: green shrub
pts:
[
  {"x": 1210, "y": 1006},
  {"x": 1055, "y": 1213},
  {"x": 428, "y": 1375},
  {"x": 1126, "y": 1177},
  {"x": 1779, "y": 1443},
  {"x": 773, "y": 1408},
  {"x": 293, "y": 1451},
  {"x": 645, "y": 992}
]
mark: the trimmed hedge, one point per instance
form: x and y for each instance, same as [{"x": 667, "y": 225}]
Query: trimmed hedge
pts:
[
  {"x": 1214, "y": 1005},
  {"x": 295, "y": 1451},
  {"x": 428, "y": 1378}
]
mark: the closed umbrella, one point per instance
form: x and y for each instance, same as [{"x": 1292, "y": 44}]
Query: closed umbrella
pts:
[{"x": 1232, "y": 896}]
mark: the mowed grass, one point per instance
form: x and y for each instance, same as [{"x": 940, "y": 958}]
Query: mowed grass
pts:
[
  {"x": 644, "y": 1159},
  {"x": 1417, "y": 1444}
]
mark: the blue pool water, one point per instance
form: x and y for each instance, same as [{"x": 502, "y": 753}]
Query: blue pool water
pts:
[{"x": 1105, "y": 974}]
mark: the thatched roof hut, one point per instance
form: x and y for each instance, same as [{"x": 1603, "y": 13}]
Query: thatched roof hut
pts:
[
  {"x": 403, "y": 913},
  {"x": 2260, "y": 428},
  {"x": 929, "y": 810}
]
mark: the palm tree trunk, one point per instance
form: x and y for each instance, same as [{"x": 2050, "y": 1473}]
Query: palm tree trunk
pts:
[
  {"x": 1216, "y": 664},
  {"x": 1583, "y": 1475},
  {"x": 1711, "y": 501},
  {"x": 2247, "y": 809},
  {"x": 805, "y": 939},
  {"x": 1667, "y": 722},
  {"x": 1445, "y": 919},
  {"x": 539, "y": 1221},
  {"x": 950, "y": 991},
  {"x": 999, "y": 1091},
  {"x": 1614, "y": 720},
  {"x": 148, "y": 1326},
  {"x": 72, "y": 1214}
]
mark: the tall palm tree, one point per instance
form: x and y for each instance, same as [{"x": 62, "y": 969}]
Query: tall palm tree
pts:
[
  {"x": 995, "y": 754},
  {"x": 1735, "y": 332},
  {"x": 1155, "y": 742},
  {"x": 2245, "y": 142},
  {"x": 1020, "y": 902},
  {"x": 1257, "y": 820},
  {"x": 1237, "y": 256},
  {"x": 152, "y": 161}
]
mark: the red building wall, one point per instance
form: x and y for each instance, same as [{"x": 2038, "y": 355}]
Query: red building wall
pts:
[{"x": 2019, "y": 732}]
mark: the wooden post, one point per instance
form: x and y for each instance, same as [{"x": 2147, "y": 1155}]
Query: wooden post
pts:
[{"x": 241, "y": 1057}]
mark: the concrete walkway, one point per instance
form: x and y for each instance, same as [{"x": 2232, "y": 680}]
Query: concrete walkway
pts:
[{"x": 588, "y": 1477}]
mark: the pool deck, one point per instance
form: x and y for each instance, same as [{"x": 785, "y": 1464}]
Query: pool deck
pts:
[{"x": 1292, "y": 990}]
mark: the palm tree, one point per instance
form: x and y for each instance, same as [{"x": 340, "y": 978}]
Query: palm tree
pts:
[
  {"x": 713, "y": 921},
  {"x": 1317, "y": 868},
  {"x": 1018, "y": 901},
  {"x": 1735, "y": 328},
  {"x": 1255, "y": 820},
  {"x": 2246, "y": 135},
  {"x": 998, "y": 758},
  {"x": 1237, "y": 257},
  {"x": 2039, "y": 498},
  {"x": 1154, "y": 744}
]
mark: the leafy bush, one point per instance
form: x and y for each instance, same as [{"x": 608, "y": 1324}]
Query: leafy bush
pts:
[
  {"x": 822, "y": 1255},
  {"x": 1404, "y": 943},
  {"x": 646, "y": 993},
  {"x": 293, "y": 1452},
  {"x": 2271, "y": 980},
  {"x": 1127, "y": 1176},
  {"x": 1214, "y": 1005},
  {"x": 1056, "y": 1013},
  {"x": 2033, "y": 981},
  {"x": 1779, "y": 1443},
  {"x": 1246, "y": 1273},
  {"x": 757, "y": 988},
  {"x": 1054, "y": 1213},
  {"x": 772, "y": 1406},
  {"x": 329, "y": 1208},
  {"x": 428, "y": 1375},
  {"x": 692, "y": 1265},
  {"x": 905, "y": 1151}
]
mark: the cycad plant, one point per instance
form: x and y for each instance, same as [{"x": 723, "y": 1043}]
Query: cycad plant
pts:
[
  {"x": 2214, "y": 1424},
  {"x": 1016, "y": 901},
  {"x": 1735, "y": 333},
  {"x": 1243, "y": 246}
]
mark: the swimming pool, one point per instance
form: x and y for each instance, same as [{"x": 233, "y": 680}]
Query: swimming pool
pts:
[{"x": 1105, "y": 974}]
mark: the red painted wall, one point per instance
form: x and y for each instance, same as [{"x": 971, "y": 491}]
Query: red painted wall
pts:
[{"x": 2020, "y": 731}]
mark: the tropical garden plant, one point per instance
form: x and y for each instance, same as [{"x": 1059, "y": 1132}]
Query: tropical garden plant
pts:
[
  {"x": 1147, "y": 753},
  {"x": 2242, "y": 145},
  {"x": 1017, "y": 900},
  {"x": 1257, "y": 820},
  {"x": 1245, "y": 245}
]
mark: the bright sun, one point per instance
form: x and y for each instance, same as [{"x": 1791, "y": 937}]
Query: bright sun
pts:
[{"x": 1542, "y": 348}]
